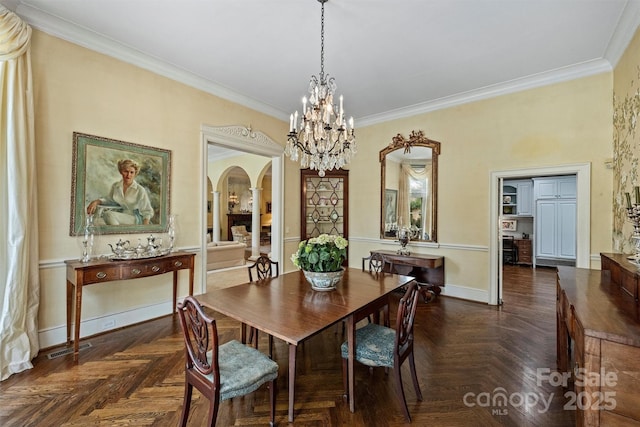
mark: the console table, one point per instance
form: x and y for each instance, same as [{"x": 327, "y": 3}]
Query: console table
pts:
[
  {"x": 427, "y": 269},
  {"x": 81, "y": 274},
  {"x": 598, "y": 336},
  {"x": 623, "y": 272}
]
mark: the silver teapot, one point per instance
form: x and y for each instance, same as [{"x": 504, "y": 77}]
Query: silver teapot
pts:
[{"x": 120, "y": 248}]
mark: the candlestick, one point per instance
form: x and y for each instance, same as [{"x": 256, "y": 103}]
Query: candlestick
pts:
[
  {"x": 628, "y": 196},
  {"x": 637, "y": 190},
  {"x": 291, "y": 123}
]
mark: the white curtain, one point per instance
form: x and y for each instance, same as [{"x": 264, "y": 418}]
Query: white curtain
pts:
[
  {"x": 19, "y": 280},
  {"x": 404, "y": 196}
]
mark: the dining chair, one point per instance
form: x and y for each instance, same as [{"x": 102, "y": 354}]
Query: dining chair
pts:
[
  {"x": 377, "y": 263},
  {"x": 377, "y": 345},
  {"x": 219, "y": 372},
  {"x": 264, "y": 268}
]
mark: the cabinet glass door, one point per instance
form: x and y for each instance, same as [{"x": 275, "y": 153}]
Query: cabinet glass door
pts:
[{"x": 324, "y": 203}]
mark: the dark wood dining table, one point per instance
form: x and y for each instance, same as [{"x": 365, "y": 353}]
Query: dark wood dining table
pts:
[{"x": 287, "y": 308}]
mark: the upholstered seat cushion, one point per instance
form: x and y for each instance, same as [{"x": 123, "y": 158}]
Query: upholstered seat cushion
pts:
[
  {"x": 243, "y": 369},
  {"x": 374, "y": 345}
]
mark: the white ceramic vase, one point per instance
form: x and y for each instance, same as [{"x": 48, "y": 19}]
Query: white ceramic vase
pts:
[{"x": 323, "y": 281}]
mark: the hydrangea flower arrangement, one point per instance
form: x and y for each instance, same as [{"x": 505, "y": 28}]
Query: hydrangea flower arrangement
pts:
[{"x": 324, "y": 253}]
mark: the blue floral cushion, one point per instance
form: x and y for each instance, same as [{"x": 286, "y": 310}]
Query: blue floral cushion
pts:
[
  {"x": 374, "y": 345},
  {"x": 243, "y": 369}
]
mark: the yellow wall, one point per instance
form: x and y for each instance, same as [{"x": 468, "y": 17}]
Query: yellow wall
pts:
[
  {"x": 76, "y": 89},
  {"x": 80, "y": 90},
  {"x": 561, "y": 124}
]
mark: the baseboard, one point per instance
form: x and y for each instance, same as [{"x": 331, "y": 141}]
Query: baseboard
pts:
[
  {"x": 58, "y": 335},
  {"x": 554, "y": 262},
  {"x": 463, "y": 292}
]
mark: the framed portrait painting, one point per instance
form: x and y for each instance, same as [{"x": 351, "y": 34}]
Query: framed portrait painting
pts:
[{"x": 125, "y": 186}]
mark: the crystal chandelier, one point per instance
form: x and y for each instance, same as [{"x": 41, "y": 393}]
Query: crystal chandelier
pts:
[{"x": 321, "y": 138}]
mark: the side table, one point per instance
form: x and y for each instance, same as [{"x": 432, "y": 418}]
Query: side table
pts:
[
  {"x": 427, "y": 269},
  {"x": 81, "y": 274}
]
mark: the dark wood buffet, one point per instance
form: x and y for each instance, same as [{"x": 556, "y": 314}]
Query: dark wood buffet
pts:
[
  {"x": 598, "y": 345},
  {"x": 623, "y": 272}
]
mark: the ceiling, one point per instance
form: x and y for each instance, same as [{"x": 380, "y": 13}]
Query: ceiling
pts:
[{"x": 390, "y": 58}]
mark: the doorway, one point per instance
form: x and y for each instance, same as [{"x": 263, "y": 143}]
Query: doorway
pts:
[
  {"x": 583, "y": 218},
  {"x": 245, "y": 140}
]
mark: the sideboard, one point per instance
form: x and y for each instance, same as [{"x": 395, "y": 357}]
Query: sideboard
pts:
[
  {"x": 427, "y": 269},
  {"x": 598, "y": 347},
  {"x": 623, "y": 272},
  {"x": 80, "y": 274}
]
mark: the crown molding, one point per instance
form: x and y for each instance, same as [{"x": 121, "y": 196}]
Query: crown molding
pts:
[
  {"x": 75, "y": 34},
  {"x": 624, "y": 32},
  {"x": 537, "y": 80},
  {"x": 50, "y": 24}
]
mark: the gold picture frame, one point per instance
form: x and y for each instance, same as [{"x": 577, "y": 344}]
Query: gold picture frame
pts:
[{"x": 95, "y": 173}]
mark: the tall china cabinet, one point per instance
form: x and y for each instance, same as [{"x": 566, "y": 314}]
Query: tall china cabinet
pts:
[{"x": 324, "y": 203}]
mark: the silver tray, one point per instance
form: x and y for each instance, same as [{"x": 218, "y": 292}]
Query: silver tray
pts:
[{"x": 128, "y": 255}]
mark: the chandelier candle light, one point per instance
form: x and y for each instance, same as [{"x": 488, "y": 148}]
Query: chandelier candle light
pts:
[{"x": 321, "y": 138}]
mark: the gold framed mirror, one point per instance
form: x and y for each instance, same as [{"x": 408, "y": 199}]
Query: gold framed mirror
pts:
[{"x": 409, "y": 189}]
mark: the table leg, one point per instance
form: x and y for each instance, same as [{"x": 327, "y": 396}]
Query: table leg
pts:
[
  {"x": 69, "y": 310},
  {"x": 243, "y": 333},
  {"x": 76, "y": 340},
  {"x": 292, "y": 378},
  {"x": 351, "y": 343},
  {"x": 175, "y": 289}
]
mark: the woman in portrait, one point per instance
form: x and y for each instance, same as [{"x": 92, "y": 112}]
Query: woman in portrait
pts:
[{"x": 127, "y": 202}]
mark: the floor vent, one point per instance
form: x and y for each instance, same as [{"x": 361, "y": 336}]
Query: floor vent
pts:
[{"x": 66, "y": 351}]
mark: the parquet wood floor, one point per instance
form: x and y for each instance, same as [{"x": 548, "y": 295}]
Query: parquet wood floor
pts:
[{"x": 467, "y": 354}]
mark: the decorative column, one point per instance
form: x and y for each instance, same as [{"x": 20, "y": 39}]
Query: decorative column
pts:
[
  {"x": 255, "y": 223},
  {"x": 216, "y": 217}
]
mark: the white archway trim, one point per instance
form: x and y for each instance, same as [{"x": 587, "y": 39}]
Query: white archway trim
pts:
[
  {"x": 242, "y": 138},
  {"x": 247, "y": 140},
  {"x": 583, "y": 215}
]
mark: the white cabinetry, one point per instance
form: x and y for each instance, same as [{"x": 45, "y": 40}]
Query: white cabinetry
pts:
[
  {"x": 555, "y": 188},
  {"x": 517, "y": 198},
  {"x": 555, "y": 217}
]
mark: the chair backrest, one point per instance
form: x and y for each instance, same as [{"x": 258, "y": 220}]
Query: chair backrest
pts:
[
  {"x": 377, "y": 263},
  {"x": 200, "y": 336},
  {"x": 264, "y": 268},
  {"x": 404, "y": 321}
]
